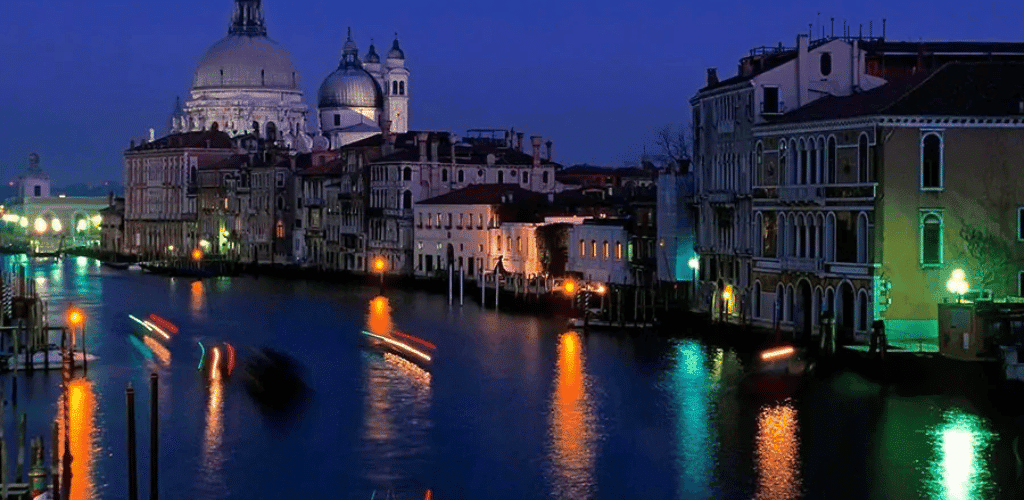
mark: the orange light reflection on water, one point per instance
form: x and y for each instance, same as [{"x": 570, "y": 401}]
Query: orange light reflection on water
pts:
[
  {"x": 573, "y": 427},
  {"x": 81, "y": 434},
  {"x": 158, "y": 349},
  {"x": 379, "y": 320},
  {"x": 778, "y": 453},
  {"x": 198, "y": 299},
  {"x": 213, "y": 454}
]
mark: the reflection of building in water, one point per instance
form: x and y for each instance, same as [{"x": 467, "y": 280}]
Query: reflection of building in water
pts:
[
  {"x": 82, "y": 439},
  {"x": 778, "y": 453},
  {"x": 573, "y": 426},
  {"x": 213, "y": 437},
  {"x": 691, "y": 386}
]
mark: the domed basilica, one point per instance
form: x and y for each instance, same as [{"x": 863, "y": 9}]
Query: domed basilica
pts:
[{"x": 247, "y": 84}]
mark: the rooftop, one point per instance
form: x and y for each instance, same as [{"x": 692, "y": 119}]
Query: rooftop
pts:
[{"x": 199, "y": 139}]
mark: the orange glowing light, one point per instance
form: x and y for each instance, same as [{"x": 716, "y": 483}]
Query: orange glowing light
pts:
[
  {"x": 573, "y": 425},
  {"x": 415, "y": 339},
  {"x": 75, "y": 316},
  {"x": 401, "y": 345},
  {"x": 158, "y": 349},
  {"x": 158, "y": 330},
  {"x": 231, "y": 358},
  {"x": 379, "y": 320},
  {"x": 378, "y": 264},
  {"x": 777, "y": 353},
  {"x": 166, "y": 325},
  {"x": 197, "y": 254},
  {"x": 215, "y": 365},
  {"x": 778, "y": 453},
  {"x": 198, "y": 301},
  {"x": 570, "y": 286}
]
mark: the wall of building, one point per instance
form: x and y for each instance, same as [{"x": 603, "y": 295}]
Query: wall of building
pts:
[{"x": 587, "y": 243}]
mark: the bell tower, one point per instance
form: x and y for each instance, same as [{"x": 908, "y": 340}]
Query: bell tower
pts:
[{"x": 396, "y": 90}]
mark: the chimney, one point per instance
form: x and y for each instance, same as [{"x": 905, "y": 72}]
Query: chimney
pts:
[
  {"x": 548, "y": 144},
  {"x": 421, "y": 141},
  {"x": 712, "y": 76},
  {"x": 152, "y": 135},
  {"x": 131, "y": 144},
  {"x": 535, "y": 139},
  {"x": 452, "y": 139},
  {"x": 519, "y": 141},
  {"x": 803, "y": 72}
]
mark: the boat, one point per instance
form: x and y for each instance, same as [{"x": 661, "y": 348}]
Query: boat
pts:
[
  {"x": 116, "y": 265},
  {"x": 275, "y": 380},
  {"x": 777, "y": 372},
  {"x": 603, "y": 324},
  {"x": 39, "y": 359},
  {"x": 412, "y": 349},
  {"x": 134, "y": 267}
]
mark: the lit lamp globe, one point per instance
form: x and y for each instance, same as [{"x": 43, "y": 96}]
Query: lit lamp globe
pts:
[
  {"x": 570, "y": 287},
  {"x": 694, "y": 263},
  {"x": 197, "y": 254},
  {"x": 40, "y": 225},
  {"x": 378, "y": 264},
  {"x": 56, "y": 225}
]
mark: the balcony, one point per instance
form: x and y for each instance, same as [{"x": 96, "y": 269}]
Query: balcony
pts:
[
  {"x": 797, "y": 195},
  {"x": 802, "y": 264},
  {"x": 313, "y": 202},
  {"x": 721, "y": 197},
  {"x": 816, "y": 194}
]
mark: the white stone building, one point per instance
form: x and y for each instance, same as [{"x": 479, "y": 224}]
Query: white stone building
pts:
[
  {"x": 601, "y": 251},
  {"x": 247, "y": 84}
]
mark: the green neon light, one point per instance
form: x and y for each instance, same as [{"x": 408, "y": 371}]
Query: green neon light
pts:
[{"x": 202, "y": 357}]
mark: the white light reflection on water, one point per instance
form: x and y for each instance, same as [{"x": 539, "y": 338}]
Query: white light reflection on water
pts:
[
  {"x": 962, "y": 446},
  {"x": 692, "y": 387},
  {"x": 573, "y": 425}
]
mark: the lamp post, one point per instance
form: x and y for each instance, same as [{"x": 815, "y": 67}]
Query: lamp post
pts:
[
  {"x": 76, "y": 318},
  {"x": 378, "y": 265}
]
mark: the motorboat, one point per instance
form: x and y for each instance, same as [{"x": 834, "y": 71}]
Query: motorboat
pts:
[
  {"x": 413, "y": 349},
  {"x": 777, "y": 371},
  {"x": 275, "y": 380},
  {"x": 116, "y": 265},
  {"x": 51, "y": 358}
]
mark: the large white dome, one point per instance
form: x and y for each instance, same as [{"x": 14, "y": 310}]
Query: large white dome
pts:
[{"x": 246, "y": 58}]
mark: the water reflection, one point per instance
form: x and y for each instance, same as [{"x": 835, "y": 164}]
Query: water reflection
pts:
[
  {"x": 692, "y": 391},
  {"x": 158, "y": 349},
  {"x": 379, "y": 318},
  {"x": 573, "y": 425},
  {"x": 213, "y": 453},
  {"x": 81, "y": 435},
  {"x": 198, "y": 299},
  {"x": 778, "y": 450},
  {"x": 962, "y": 446}
]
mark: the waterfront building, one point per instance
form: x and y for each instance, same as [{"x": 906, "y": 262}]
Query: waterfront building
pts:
[
  {"x": 112, "y": 225},
  {"x": 47, "y": 223},
  {"x": 675, "y": 228},
  {"x": 160, "y": 190},
  {"x": 423, "y": 165},
  {"x": 865, "y": 204},
  {"x": 246, "y": 202},
  {"x": 604, "y": 251}
]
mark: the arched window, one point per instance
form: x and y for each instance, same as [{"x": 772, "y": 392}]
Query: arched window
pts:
[
  {"x": 526, "y": 177},
  {"x": 618, "y": 250},
  {"x": 863, "y": 253},
  {"x": 407, "y": 200},
  {"x": 830, "y": 162},
  {"x": 508, "y": 243},
  {"x": 214, "y": 126},
  {"x": 783, "y": 163},
  {"x": 271, "y": 131},
  {"x": 280, "y": 203},
  {"x": 825, "y": 64},
  {"x": 758, "y": 162},
  {"x": 931, "y": 238},
  {"x": 863, "y": 159},
  {"x": 407, "y": 174},
  {"x": 931, "y": 161},
  {"x": 401, "y": 88},
  {"x": 519, "y": 244},
  {"x": 497, "y": 242},
  {"x": 394, "y": 88},
  {"x": 444, "y": 175},
  {"x": 256, "y": 128}
]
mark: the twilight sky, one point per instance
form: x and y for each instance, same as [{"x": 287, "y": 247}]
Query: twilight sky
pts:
[{"x": 82, "y": 78}]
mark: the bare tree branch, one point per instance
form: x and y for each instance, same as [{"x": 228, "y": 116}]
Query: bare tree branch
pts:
[
  {"x": 991, "y": 251},
  {"x": 676, "y": 142}
]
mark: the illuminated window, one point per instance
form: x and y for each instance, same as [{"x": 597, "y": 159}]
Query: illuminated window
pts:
[
  {"x": 508, "y": 243},
  {"x": 931, "y": 238},
  {"x": 279, "y": 230},
  {"x": 583, "y": 248},
  {"x": 593, "y": 248},
  {"x": 618, "y": 250},
  {"x": 519, "y": 244},
  {"x": 931, "y": 161},
  {"x": 606, "y": 250}
]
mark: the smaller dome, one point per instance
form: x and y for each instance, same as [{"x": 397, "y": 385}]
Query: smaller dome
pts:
[
  {"x": 371, "y": 55},
  {"x": 396, "y": 51},
  {"x": 350, "y": 86}
]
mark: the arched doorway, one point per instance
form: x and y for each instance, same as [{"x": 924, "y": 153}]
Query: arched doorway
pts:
[
  {"x": 844, "y": 311},
  {"x": 804, "y": 314}
]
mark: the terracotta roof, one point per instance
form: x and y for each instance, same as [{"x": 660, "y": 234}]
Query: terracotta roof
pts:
[
  {"x": 331, "y": 168},
  {"x": 232, "y": 162},
  {"x": 486, "y": 194},
  {"x": 954, "y": 89},
  {"x": 217, "y": 140}
]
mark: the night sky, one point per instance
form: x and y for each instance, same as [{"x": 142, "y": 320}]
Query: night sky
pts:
[{"x": 82, "y": 78}]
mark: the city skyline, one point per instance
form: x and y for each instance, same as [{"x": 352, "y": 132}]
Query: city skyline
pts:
[{"x": 131, "y": 61}]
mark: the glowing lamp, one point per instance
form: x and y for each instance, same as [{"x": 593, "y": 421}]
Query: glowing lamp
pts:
[
  {"x": 694, "y": 263},
  {"x": 170, "y": 248},
  {"x": 81, "y": 225},
  {"x": 197, "y": 254},
  {"x": 957, "y": 283},
  {"x": 378, "y": 264},
  {"x": 600, "y": 288},
  {"x": 224, "y": 233},
  {"x": 570, "y": 287},
  {"x": 97, "y": 219},
  {"x": 40, "y": 225},
  {"x": 204, "y": 243},
  {"x": 75, "y": 316},
  {"x": 23, "y": 222},
  {"x": 56, "y": 225},
  {"x": 726, "y": 295}
]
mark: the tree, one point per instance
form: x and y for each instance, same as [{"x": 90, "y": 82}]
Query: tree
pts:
[
  {"x": 991, "y": 251},
  {"x": 552, "y": 247},
  {"x": 676, "y": 142}
]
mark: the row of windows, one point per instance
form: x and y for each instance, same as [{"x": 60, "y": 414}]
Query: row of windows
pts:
[
  {"x": 465, "y": 220},
  {"x": 605, "y": 247},
  {"x": 397, "y": 87}
]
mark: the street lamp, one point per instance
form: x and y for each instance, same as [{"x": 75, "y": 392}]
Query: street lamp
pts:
[
  {"x": 197, "y": 254},
  {"x": 726, "y": 296},
  {"x": 957, "y": 284},
  {"x": 76, "y": 319},
  {"x": 694, "y": 265},
  {"x": 378, "y": 265}
]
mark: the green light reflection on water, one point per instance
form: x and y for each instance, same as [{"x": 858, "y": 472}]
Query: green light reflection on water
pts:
[{"x": 962, "y": 446}]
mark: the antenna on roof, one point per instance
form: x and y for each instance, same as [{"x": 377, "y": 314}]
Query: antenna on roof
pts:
[
  {"x": 860, "y": 35},
  {"x": 810, "y": 30},
  {"x": 833, "y": 27}
]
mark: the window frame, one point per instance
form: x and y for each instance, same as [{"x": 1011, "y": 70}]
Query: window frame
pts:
[
  {"x": 924, "y": 214},
  {"x": 1020, "y": 223},
  {"x": 1020, "y": 283},
  {"x": 938, "y": 133}
]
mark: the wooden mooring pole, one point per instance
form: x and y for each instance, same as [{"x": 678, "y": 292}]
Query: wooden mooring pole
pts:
[
  {"x": 133, "y": 489},
  {"x": 154, "y": 437}
]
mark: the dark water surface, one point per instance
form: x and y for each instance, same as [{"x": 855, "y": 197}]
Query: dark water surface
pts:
[{"x": 516, "y": 407}]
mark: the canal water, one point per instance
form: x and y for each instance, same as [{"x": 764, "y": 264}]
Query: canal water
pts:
[{"x": 515, "y": 407}]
